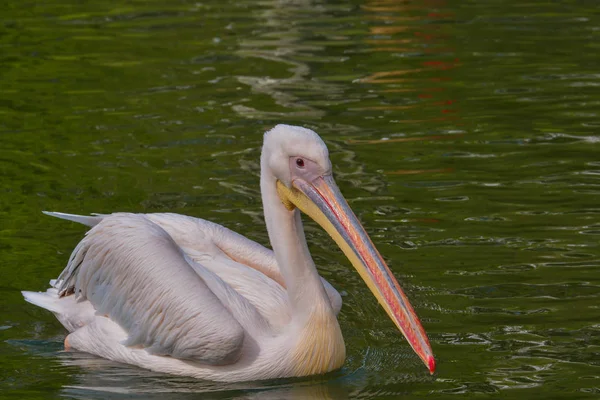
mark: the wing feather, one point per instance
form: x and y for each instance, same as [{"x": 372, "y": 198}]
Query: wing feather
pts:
[
  {"x": 131, "y": 270},
  {"x": 210, "y": 238},
  {"x": 207, "y": 240},
  {"x": 213, "y": 238}
]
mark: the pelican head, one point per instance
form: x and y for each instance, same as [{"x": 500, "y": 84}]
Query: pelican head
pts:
[
  {"x": 298, "y": 160},
  {"x": 286, "y": 147}
]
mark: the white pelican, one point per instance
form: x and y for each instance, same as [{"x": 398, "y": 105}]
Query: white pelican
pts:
[{"x": 185, "y": 296}]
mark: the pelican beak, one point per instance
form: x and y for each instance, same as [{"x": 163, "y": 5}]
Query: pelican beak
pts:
[{"x": 322, "y": 201}]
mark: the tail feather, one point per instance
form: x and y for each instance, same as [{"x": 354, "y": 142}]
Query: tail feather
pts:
[
  {"x": 71, "y": 313},
  {"x": 88, "y": 220},
  {"x": 48, "y": 300}
]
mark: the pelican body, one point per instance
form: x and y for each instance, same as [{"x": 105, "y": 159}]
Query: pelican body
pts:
[{"x": 185, "y": 296}]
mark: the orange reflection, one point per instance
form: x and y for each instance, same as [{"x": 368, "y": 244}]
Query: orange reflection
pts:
[
  {"x": 387, "y": 41},
  {"x": 387, "y": 30},
  {"x": 395, "y": 27},
  {"x": 385, "y": 107},
  {"x": 387, "y": 6},
  {"x": 392, "y": 18},
  {"x": 441, "y": 64},
  {"x": 376, "y": 77}
]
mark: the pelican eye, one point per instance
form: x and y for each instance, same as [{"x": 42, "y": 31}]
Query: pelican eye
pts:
[{"x": 300, "y": 162}]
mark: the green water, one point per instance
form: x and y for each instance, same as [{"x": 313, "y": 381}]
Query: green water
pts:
[{"x": 463, "y": 133}]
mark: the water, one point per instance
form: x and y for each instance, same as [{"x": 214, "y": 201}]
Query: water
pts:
[{"x": 464, "y": 134}]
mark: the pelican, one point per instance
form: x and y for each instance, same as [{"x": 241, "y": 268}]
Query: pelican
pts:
[{"x": 185, "y": 296}]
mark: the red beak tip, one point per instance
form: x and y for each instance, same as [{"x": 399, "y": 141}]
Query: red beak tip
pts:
[{"x": 431, "y": 365}]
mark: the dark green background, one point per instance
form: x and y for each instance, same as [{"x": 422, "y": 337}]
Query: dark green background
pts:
[{"x": 463, "y": 133}]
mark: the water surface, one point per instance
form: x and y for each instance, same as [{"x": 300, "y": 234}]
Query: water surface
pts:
[{"x": 464, "y": 134}]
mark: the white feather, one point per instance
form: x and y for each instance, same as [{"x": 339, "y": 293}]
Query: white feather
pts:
[
  {"x": 186, "y": 296},
  {"x": 81, "y": 219}
]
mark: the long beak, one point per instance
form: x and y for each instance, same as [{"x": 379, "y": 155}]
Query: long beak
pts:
[{"x": 322, "y": 201}]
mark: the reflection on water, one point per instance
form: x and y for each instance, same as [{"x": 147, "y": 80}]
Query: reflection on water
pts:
[
  {"x": 464, "y": 135},
  {"x": 421, "y": 90},
  {"x": 284, "y": 42},
  {"x": 101, "y": 379}
]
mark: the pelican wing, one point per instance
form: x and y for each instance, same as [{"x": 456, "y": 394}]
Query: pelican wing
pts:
[
  {"x": 213, "y": 239},
  {"x": 228, "y": 255},
  {"x": 200, "y": 237},
  {"x": 133, "y": 272}
]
